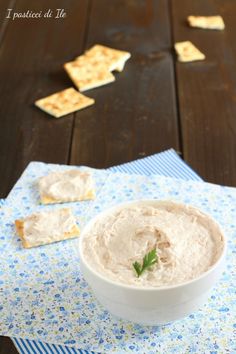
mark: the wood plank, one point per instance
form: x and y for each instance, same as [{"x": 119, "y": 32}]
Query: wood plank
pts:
[
  {"x": 7, "y": 346},
  {"x": 31, "y": 58},
  {"x": 136, "y": 115},
  {"x": 4, "y": 5},
  {"x": 207, "y": 96}
]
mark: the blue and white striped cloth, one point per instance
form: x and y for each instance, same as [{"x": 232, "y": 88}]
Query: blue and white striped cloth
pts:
[{"x": 166, "y": 163}]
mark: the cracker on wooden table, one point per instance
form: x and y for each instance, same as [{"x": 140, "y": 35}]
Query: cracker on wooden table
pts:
[
  {"x": 114, "y": 59},
  {"x": 47, "y": 227},
  {"x": 206, "y": 22},
  {"x": 187, "y": 52},
  {"x": 64, "y": 102},
  {"x": 88, "y": 74},
  {"x": 66, "y": 186}
]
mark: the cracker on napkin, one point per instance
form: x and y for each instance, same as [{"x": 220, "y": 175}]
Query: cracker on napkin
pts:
[
  {"x": 206, "y": 22},
  {"x": 114, "y": 59},
  {"x": 66, "y": 186},
  {"x": 47, "y": 227},
  {"x": 64, "y": 102},
  {"x": 88, "y": 74},
  {"x": 187, "y": 52}
]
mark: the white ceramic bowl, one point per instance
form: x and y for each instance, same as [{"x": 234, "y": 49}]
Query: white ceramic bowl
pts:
[{"x": 149, "y": 306}]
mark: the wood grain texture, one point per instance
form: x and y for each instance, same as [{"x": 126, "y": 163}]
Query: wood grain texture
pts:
[
  {"x": 31, "y": 59},
  {"x": 207, "y": 91},
  {"x": 4, "y": 5},
  {"x": 136, "y": 115},
  {"x": 7, "y": 346}
]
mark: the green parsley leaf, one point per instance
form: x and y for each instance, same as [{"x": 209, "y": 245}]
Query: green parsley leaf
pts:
[{"x": 148, "y": 260}]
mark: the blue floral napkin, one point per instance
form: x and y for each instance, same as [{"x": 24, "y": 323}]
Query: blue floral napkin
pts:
[{"x": 36, "y": 284}]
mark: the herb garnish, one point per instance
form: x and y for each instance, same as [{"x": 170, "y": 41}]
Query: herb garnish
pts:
[{"x": 148, "y": 260}]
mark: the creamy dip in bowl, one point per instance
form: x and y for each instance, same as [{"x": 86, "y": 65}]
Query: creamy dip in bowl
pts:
[{"x": 189, "y": 249}]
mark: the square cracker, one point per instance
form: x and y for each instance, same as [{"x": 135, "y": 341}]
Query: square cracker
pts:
[
  {"x": 66, "y": 186},
  {"x": 114, "y": 59},
  {"x": 187, "y": 52},
  {"x": 206, "y": 22},
  {"x": 64, "y": 102},
  {"x": 47, "y": 227},
  {"x": 88, "y": 74}
]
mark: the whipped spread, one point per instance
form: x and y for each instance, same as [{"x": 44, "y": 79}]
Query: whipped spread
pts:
[
  {"x": 67, "y": 186},
  {"x": 187, "y": 243},
  {"x": 47, "y": 227}
]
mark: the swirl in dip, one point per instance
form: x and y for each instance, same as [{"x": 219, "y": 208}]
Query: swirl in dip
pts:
[{"x": 187, "y": 242}]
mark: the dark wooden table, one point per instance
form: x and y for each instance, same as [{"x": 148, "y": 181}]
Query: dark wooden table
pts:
[{"x": 156, "y": 103}]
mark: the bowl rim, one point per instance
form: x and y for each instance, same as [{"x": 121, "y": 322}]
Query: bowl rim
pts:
[{"x": 149, "y": 288}]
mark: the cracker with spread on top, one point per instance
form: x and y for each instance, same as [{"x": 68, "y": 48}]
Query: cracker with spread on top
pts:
[
  {"x": 64, "y": 102},
  {"x": 66, "y": 186},
  {"x": 187, "y": 52},
  {"x": 206, "y": 22},
  {"x": 47, "y": 227}
]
